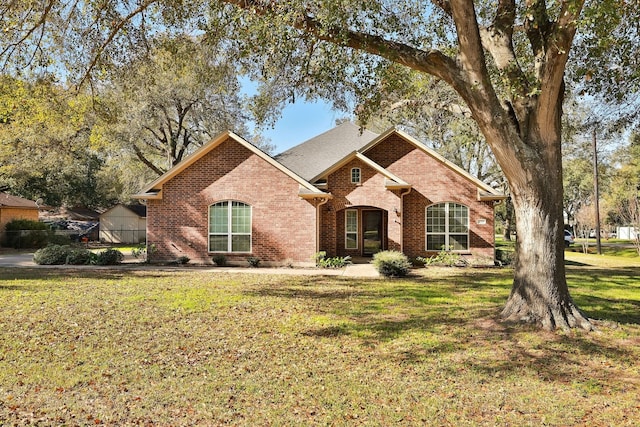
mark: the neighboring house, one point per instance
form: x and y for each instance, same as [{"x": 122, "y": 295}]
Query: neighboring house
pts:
[
  {"x": 14, "y": 207},
  {"x": 124, "y": 224},
  {"x": 80, "y": 214},
  {"x": 345, "y": 192}
]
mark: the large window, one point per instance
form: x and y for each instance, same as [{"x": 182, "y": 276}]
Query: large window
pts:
[
  {"x": 229, "y": 227},
  {"x": 447, "y": 227},
  {"x": 351, "y": 229}
]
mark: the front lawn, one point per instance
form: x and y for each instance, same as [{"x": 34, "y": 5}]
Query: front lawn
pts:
[{"x": 82, "y": 347}]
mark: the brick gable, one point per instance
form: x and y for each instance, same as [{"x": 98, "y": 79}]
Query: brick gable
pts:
[
  {"x": 283, "y": 225},
  {"x": 404, "y": 215}
]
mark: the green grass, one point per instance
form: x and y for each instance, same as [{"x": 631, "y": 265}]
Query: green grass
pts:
[
  {"x": 626, "y": 250},
  {"x": 81, "y": 347}
]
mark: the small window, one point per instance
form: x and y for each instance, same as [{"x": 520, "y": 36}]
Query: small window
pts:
[
  {"x": 355, "y": 176},
  {"x": 447, "y": 227},
  {"x": 230, "y": 227},
  {"x": 351, "y": 229}
]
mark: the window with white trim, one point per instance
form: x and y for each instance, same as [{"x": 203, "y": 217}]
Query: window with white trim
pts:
[
  {"x": 447, "y": 227},
  {"x": 230, "y": 227},
  {"x": 351, "y": 229},
  {"x": 355, "y": 176}
]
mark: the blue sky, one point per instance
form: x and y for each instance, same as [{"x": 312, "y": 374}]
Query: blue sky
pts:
[
  {"x": 298, "y": 122},
  {"x": 301, "y": 121}
]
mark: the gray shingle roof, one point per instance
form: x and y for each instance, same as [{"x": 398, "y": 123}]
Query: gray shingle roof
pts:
[
  {"x": 321, "y": 152},
  {"x": 140, "y": 210}
]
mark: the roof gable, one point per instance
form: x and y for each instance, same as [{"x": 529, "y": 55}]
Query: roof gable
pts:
[
  {"x": 485, "y": 192},
  {"x": 319, "y": 153},
  {"x": 154, "y": 189},
  {"x": 10, "y": 201},
  {"x": 138, "y": 210}
]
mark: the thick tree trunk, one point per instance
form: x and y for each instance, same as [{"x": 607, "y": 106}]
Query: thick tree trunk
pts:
[{"x": 540, "y": 294}]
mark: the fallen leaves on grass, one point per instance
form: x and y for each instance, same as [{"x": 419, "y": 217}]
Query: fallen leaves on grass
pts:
[{"x": 194, "y": 348}]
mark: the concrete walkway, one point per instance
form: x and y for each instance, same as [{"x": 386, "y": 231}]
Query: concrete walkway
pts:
[
  {"x": 366, "y": 270},
  {"x": 361, "y": 270}
]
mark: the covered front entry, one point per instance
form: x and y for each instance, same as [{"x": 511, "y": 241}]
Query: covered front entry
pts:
[{"x": 362, "y": 231}]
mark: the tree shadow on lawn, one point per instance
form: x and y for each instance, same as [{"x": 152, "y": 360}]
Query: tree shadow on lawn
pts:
[
  {"x": 381, "y": 311},
  {"x": 624, "y": 311},
  {"x": 567, "y": 359},
  {"x": 9, "y": 275},
  {"x": 424, "y": 318},
  {"x": 591, "y": 289}
]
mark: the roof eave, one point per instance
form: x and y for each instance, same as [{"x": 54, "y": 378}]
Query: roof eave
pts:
[
  {"x": 148, "y": 196},
  {"x": 311, "y": 196},
  {"x": 147, "y": 192},
  {"x": 493, "y": 196},
  {"x": 396, "y": 186}
]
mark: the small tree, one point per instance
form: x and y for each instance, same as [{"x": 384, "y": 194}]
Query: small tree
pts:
[
  {"x": 626, "y": 189},
  {"x": 585, "y": 222}
]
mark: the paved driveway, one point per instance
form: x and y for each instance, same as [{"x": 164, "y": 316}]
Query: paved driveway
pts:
[{"x": 17, "y": 260}]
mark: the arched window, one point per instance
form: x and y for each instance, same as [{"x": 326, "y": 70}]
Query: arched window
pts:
[
  {"x": 230, "y": 227},
  {"x": 447, "y": 227}
]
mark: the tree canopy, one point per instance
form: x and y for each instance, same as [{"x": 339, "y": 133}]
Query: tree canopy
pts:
[{"x": 165, "y": 103}]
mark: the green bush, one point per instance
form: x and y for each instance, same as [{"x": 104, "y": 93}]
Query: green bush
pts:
[
  {"x": 183, "y": 260},
  {"x": 391, "y": 263},
  {"x": 109, "y": 257},
  {"x": 58, "y": 239},
  {"x": 334, "y": 262},
  {"x": 505, "y": 257},
  {"x": 25, "y": 233},
  {"x": 253, "y": 261},
  {"x": 220, "y": 260},
  {"x": 80, "y": 256},
  {"x": 444, "y": 257},
  {"x": 52, "y": 255}
]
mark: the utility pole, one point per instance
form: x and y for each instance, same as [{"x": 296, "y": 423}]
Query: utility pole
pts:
[{"x": 596, "y": 190}]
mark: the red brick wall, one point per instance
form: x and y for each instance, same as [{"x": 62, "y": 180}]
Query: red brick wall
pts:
[
  {"x": 371, "y": 193},
  {"x": 433, "y": 183},
  {"x": 283, "y": 225}
]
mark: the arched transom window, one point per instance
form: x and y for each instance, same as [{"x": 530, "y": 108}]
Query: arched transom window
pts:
[
  {"x": 447, "y": 227},
  {"x": 230, "y": 227}
]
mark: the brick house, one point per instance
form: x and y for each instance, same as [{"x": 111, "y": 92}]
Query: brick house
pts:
[{"x": 346, "y": 192}]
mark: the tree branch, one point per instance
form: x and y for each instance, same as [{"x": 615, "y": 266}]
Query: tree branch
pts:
[
  {"x": 471, "y": 54},
  {"x": 114, "y": 32},
  {"x": 559, "y": 43},
  {"x": 146, "y": 161},
  {"x": 40, "y": 23},
  {"x": 497, "y": 39},
  {"x": 432, "y": 61},
  {"x": 536, "y": 25}
]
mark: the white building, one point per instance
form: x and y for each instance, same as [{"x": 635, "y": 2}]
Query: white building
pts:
[{"x": 124, "y": 224}]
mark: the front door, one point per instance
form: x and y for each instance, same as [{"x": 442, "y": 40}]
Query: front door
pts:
[{"x": 371, "y": 232}]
